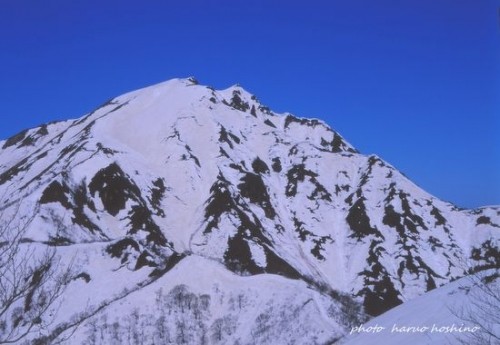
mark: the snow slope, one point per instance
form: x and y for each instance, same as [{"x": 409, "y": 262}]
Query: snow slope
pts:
[
  {"x": 179, "y": 172},
  {"x": 465, "y": 311}
]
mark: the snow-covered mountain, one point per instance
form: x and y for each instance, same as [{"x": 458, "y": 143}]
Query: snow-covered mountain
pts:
[{"x": 205, "y": 217}]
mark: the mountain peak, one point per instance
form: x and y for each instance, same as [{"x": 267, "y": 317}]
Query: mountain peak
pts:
[
  {"x": 179, "y": 173},
  {"x": 164, "y": 87}
]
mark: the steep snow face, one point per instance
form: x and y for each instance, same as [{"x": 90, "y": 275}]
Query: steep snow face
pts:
[{"x": 181, "y": 170}]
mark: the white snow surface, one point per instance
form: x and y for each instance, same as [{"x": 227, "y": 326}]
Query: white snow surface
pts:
[
  {"x": 279, "y": 209},
  {"x": 452, "y": 314}
]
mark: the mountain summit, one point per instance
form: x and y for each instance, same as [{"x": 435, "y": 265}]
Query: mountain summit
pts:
[{"x": 195, "y": 215}]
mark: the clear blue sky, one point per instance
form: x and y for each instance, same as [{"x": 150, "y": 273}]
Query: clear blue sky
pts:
[{"x": 416, "y": 81}]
